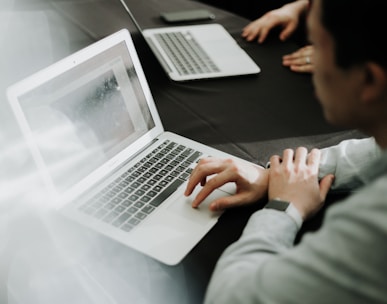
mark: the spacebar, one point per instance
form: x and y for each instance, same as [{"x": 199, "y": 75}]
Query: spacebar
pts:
[{"x": 166, "y": 193}]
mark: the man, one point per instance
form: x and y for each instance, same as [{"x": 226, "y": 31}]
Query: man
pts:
[{"x": 344, "y": 262}]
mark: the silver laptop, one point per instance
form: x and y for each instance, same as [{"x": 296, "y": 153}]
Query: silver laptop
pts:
[
  {"x": 97, "y": 139},
  {"x": 197, "y": 51}
]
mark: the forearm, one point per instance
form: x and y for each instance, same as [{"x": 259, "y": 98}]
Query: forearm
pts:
[
  {"x": 299, "y": 7},
  {"x": 238, "y": 274},
  {"x": 263, "y": 266}
]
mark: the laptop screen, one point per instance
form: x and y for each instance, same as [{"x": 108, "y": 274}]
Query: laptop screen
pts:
[{"x": 86, "y": 115}]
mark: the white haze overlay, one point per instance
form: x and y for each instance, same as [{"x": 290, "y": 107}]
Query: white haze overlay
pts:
[{"x": 44, "y": 258}]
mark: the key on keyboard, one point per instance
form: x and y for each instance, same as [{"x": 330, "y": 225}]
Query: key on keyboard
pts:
[
  {"x": 186, "y": 54},
  {"x": 140, "y": 190}
]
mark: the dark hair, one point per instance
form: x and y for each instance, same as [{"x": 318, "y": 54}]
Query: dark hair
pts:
[{"x": 358, "y": 28}]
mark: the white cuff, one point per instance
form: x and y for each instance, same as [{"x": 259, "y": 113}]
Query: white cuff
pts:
[{"x": 294, "y": 214}]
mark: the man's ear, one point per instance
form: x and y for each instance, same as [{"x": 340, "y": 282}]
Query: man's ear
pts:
[{"x": 375, "y": 85}]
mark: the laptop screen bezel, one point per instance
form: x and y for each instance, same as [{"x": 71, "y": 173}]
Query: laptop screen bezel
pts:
[{"x": 19, "y": 89}]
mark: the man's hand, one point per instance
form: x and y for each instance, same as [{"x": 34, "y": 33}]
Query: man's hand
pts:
[
  {"x": 294, "y": 178},
  {"x": 251, "y": 182}
]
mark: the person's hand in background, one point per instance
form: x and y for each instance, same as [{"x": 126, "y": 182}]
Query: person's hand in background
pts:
[
  {"x": 301, "y": 60},
  {"x": 287, "y": 17}
]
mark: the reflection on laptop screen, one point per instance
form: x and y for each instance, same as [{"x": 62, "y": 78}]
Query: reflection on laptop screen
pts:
[{"x": 86, "y": 116}]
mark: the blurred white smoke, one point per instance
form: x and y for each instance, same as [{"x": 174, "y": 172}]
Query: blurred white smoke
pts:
[{"x": 43, "y": 258}]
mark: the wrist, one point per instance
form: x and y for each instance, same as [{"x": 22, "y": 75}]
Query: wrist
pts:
[
  {"x": 288, "y": 208},
  {"x": 299, "y": 7}
]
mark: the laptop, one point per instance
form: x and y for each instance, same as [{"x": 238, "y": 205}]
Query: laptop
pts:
[
  {"x": 97, "y": 139},
  {"x": 197, "y": 51}
]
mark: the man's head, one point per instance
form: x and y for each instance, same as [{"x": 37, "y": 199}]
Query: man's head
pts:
[
  {"x": 358, "y": 29},
  {"x": 350, "y": 61}
]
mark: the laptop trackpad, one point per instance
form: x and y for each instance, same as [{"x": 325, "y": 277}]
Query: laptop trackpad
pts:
[{"x": 200, "y": 215}]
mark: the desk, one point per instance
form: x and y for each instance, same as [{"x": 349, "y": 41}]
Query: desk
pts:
[{"x": 251, "y": 117}]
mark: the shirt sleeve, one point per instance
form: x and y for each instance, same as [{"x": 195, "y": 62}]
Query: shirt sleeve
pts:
[
  {"x": 237, "y": 274},
  {"x": 341, "y": 263},
  {"x": 347, "y": 160}
]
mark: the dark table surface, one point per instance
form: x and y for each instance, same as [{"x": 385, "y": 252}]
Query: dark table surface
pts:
[
  {"x": 251, "y": 117},
  {"x": 245, "y": 116}
]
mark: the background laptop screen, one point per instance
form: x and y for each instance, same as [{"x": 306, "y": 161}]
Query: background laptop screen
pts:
[{"x": 87, "y": 115}]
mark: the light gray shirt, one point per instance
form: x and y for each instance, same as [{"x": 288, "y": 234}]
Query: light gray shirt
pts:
[{"x": 344, "y": 262}]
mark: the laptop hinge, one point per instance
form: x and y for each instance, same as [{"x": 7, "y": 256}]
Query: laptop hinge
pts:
[{"x": 140, "y": 151}]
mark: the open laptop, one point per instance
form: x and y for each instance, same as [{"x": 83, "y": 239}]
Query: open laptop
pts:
[
  {"x": 197, "y": 51},
  {"x": 98, "y": 141}
]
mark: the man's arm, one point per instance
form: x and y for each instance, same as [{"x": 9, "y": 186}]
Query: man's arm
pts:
[
  {"x": 337, "y": 264},
  {"x": 346, "y": 161},
  {"x": 239, "y": 276}
]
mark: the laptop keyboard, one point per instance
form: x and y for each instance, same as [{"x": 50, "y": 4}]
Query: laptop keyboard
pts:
[
  {"x": 134, "y": 195},
  {"x": 185, "y": 53}
]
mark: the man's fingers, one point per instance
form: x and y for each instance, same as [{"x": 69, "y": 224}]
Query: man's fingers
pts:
[
  {"x": 287, "y": 157},
  {"x": 206, "y": 167},
  {"x": 300, "y": 157},
  {"x": 212, "y": 184},
  {"x": 201, "y": 196},
  {"x": 325, "y": 185},
  {"x": 275, "y": 160},
  {"x": 227, "y": 202},
  {"x": 314, "y": 157}
]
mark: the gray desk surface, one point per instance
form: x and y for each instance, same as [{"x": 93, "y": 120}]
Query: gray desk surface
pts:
[{"x": 45, "y": 260}]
